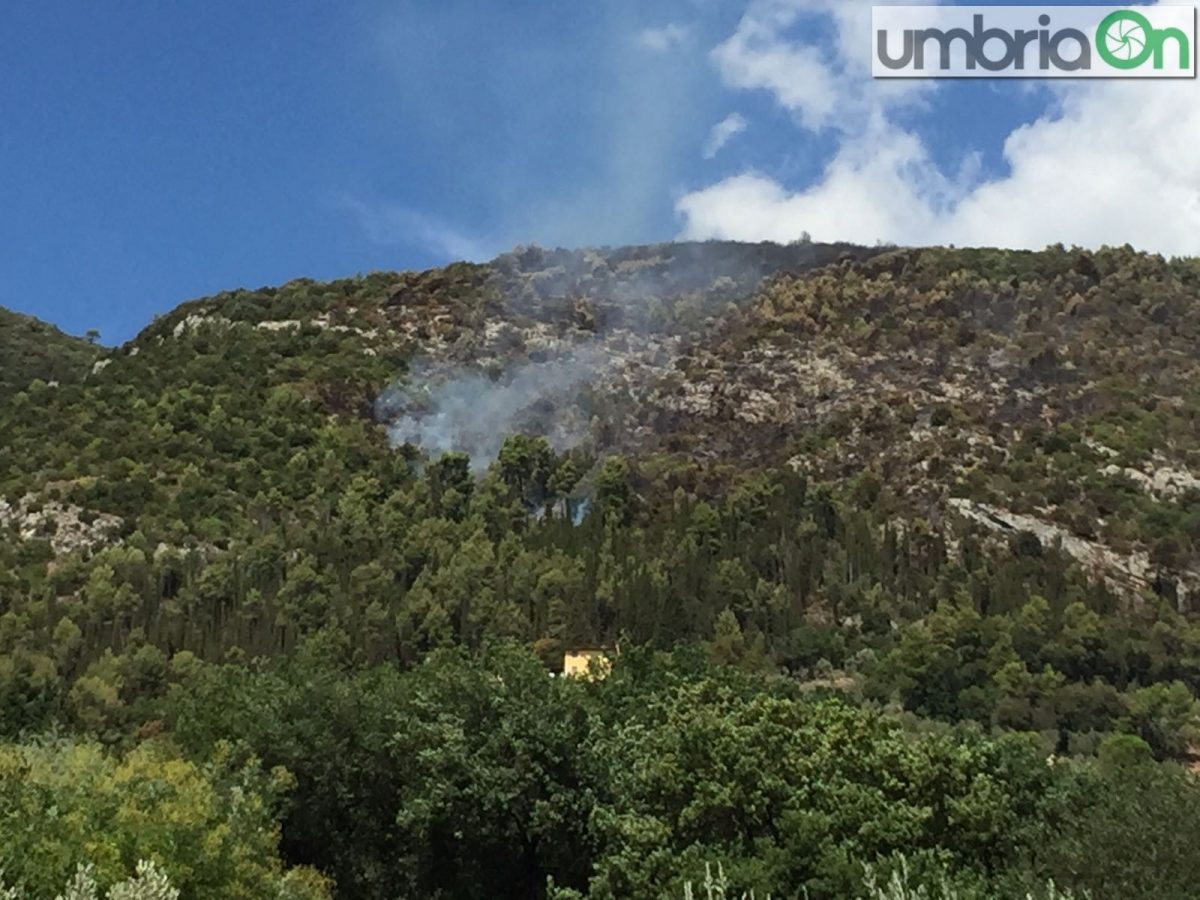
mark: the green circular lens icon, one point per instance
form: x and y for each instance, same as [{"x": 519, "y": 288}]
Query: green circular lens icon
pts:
[{"x": 1124, "y": 39}]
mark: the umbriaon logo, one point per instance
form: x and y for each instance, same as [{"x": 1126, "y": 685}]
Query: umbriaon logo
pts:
[
  {"x": 1126, "y": 40},
  {"x": 1033, "y": 42}
]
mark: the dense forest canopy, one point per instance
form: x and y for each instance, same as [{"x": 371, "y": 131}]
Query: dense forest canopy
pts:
[{"x": 895, "y": 552}]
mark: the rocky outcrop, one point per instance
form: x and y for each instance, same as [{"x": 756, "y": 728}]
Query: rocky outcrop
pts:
[
  {"x": 1128, "y": 575},
  {"x": 67, "y": 527},
  {"x": 1159, "y": 478}
]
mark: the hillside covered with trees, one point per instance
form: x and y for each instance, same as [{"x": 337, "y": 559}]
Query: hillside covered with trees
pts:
[
  {"x": 896, "y": 553},
  {"x": 30, "y": 350}
]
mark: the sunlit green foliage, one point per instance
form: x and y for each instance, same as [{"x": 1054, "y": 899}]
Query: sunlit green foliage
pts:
[{"x": 211, "y": 827}]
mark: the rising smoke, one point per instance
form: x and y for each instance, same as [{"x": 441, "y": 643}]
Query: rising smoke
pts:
[
  {"x": 443, "y": 406},
  {"x": 466, "y": 410}
]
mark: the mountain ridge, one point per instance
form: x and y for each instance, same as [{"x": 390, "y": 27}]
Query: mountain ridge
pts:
[
  {"x": 32, "y": 349},
  {"x": 936, "y": 372}
]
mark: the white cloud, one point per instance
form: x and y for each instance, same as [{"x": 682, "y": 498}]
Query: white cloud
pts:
[
  {"x": 733, "y": 124},
  {"x": 1115, "y": 167},
  {"x": 1110, "y": 164},
  {"x": 827, "y": 85},
  {"x": 664, "y": 37},
  {"x": 798, "y": 77},
  {"x": 878, "y": 186}
]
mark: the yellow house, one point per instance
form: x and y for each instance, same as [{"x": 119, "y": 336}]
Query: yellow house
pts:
[{"x": 578, "y": 664}]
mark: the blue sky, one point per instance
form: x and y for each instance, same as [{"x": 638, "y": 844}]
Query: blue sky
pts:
[{"x": 154, "y": 152}]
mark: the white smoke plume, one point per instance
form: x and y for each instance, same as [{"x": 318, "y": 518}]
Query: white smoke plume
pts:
[
  {"x": 636, "y": 330},
  {"x": 469, "y": 411}
]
